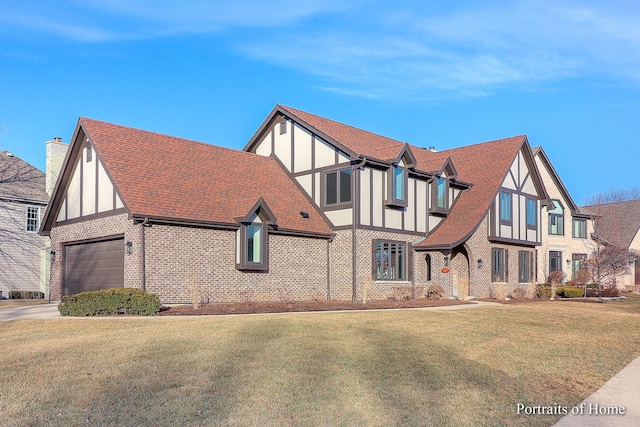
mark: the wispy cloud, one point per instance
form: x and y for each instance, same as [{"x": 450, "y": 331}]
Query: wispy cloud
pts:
[{"x": 415, "y": 50}]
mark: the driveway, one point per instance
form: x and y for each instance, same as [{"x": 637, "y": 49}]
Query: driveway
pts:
[{"x": 36, "y": 311}]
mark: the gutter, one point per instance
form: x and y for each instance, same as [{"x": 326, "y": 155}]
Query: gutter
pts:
[{"x": 145, "y": 224}]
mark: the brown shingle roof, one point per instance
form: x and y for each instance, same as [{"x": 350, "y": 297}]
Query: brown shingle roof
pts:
[
  {"x": 484, "y": 165},
  {"x": 21, "y": 181},
  {"x": 358, "y": 141},
  {"x": 161, "y": 176},
  {"x": 618, "y": 223}
]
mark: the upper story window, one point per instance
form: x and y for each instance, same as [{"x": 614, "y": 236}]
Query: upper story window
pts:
[
  {"x": 337, "y": 187},
  {"x": 32, "y": 219},
  {"x": 440, "y": 196},
  {"x": 505, "y": 208},
  {"x": 556, "y": 218},
  {"x": 389, "y": 261},
  {"x": 397, "y": 186},
  {"x": 532, "y": 216},
  {"x": 89, "y": 154},
  {"x": 580, "y": 228}
]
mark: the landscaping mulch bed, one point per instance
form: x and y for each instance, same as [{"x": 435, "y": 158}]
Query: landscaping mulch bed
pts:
[{"x": 254, "y": 307}]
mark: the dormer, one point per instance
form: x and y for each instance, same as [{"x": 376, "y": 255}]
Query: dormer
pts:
[
  {"x": 252, "y": 238},
  {"x": 441, "y": 195},
  {"x": 398, "y": 176}
]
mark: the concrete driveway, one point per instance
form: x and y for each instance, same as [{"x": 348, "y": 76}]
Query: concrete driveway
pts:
[{"x": 36, "y": 311}]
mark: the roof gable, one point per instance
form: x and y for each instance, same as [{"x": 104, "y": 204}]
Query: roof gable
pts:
[
  {"x": 163, "y": 177},
  {"x": 619, "y": 222}
]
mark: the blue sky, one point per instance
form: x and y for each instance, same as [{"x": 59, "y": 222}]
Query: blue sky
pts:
[{"x": 441, "y": 73}]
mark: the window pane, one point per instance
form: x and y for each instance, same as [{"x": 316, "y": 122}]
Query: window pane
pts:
[
  {"x": 254, "y": 239},
  {"x": 497, "y": 263},
  {"x": 389, "y": 259},
  {"x": 531, "y": 212},
  {"x": 345, "y": 185},
  {"x": 33, "y": 218},
  {"x": 331, "y": 188},
  {"x": 525, "y": 274},
  {"x": 505, "y": 206},
  {"x": 398, "y": 183},
  {"x": 442, "y": 193}
]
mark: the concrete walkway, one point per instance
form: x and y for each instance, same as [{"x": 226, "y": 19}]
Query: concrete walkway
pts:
[
  {"x": 36, "y": 311},
  {"x": 604, "y": 407}
]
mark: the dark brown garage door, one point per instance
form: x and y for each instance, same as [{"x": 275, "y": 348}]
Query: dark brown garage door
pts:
[{"x": 93, "y": 266}]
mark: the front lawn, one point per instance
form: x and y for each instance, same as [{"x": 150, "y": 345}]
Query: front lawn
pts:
[{"x": 417, "y": 367}]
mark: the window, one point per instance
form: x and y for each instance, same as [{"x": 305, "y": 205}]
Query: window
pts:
[
  {"x": 525, "y": 259},
  {"x": 427, "y": 259},
  {"x": 580, "y": 228},
  {"x": 254, "y": 246},
  {"x": 397, "y": 187},
  {"x": 498, "y": 265},
  {"x": 505, "y": 208},
  {"x": 33, "y": 219},
  {"x": 532, "y": 214},
  {"x": 440, "y": 196},
  {"x": 555, "y": 261},
  {"x": 556, "y": 218},
  {"x": 89, "y": 154},
  {"x": 389, "y": 260},
  {"x": 283, "y": 128},
  {"x": 252, "y": 238},
  {"x": 337, "y": 187},
  {"x": 577, "y": 264}
]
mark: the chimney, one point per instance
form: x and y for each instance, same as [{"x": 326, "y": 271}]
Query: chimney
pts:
[
  {"x": 56, "y": 151},
  {"x": 432, "y": 148}
]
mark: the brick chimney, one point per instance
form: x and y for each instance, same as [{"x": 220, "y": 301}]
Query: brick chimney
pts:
[{"x": 56, "y": 151}]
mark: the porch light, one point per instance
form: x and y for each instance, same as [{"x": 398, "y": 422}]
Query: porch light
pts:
[
  {"x": 52, "y": 255},
  {"x": 480, "y": 263},
  {"x": 568, "y": 261},
  {"x": 446, "y": 261},
  {"x": 128, "y": 248}
]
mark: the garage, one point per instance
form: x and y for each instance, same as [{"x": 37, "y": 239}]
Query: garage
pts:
[{"x": 94, "y": 265}]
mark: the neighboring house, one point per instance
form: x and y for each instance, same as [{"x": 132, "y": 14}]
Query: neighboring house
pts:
[
  {"x": 22, "y": 203},
  {"x": 618, "y": 224},
  {"x": 567, "y": 230},
  {"x": 311, "y": 209}
]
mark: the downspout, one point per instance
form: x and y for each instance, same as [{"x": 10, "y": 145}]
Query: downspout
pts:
[
  {"x": 354, "y": 205},
  {"x": 145, "y": 224},
  {"x": 329, "y": 241}
]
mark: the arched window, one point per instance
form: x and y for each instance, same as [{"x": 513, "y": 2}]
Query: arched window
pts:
[{"x": 427, "y": 259}]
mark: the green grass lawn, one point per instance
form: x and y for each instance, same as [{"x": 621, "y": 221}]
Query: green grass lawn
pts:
[{"x": 416, "y": 367}]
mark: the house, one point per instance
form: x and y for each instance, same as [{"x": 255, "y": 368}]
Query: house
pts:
[
  {"x": 567, "y": 241},
  {"x": 618, "y": 224},
  {"x": 22, "y": 203},
  {"x": 310, "y": 209}
]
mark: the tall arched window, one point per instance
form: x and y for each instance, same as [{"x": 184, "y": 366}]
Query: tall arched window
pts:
[{"x": 427, "y": 259}]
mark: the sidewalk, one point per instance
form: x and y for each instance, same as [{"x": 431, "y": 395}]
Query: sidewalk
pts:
[
  {"x": 37, "y": 311},
  {"x": 599, "y": 409}
]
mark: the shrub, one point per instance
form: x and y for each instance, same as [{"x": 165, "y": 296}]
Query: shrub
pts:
[
  {"x": 569, "y": 292},
  {"x": 25, "y": 295},
  {"x": 435, "y": 292},
  {"x": 609, "y": 291},
  {"x": 498, "y": 291},
  {"x": 543, "y": 290},
  {"x": 110, "y": 301},
  {"x": 519, "y": 293}
]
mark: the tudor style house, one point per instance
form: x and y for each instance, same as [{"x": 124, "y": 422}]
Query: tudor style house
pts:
[
  {"x": 22, "y": 204},
  {"x": 311, "y": 208}
]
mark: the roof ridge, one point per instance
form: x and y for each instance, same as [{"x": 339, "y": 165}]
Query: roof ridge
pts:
[
  {"x": 342, "y": 124},
  {"x": 164, "y": 135}
]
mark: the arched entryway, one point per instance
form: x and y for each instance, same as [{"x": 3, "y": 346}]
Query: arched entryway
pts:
[{"x": 460, "y": 273}]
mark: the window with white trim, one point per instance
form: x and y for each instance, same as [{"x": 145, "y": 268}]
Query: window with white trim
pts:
[{"x": 32, "y": 219}]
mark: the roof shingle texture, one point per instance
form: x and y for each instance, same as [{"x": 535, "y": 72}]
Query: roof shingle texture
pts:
[
  {"x": 21, "y": 181},
  {"x": 162, "y": 176},
  {"x": 618, "y": 222}
]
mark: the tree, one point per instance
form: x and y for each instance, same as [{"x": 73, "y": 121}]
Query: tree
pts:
[{"x": 610, "y": 254}]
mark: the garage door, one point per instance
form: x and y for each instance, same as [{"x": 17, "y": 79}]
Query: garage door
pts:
[{"x": 93, "y": 266}]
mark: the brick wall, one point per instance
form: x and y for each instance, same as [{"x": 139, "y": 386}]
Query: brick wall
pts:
[{"x": 184, "y": 264}]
